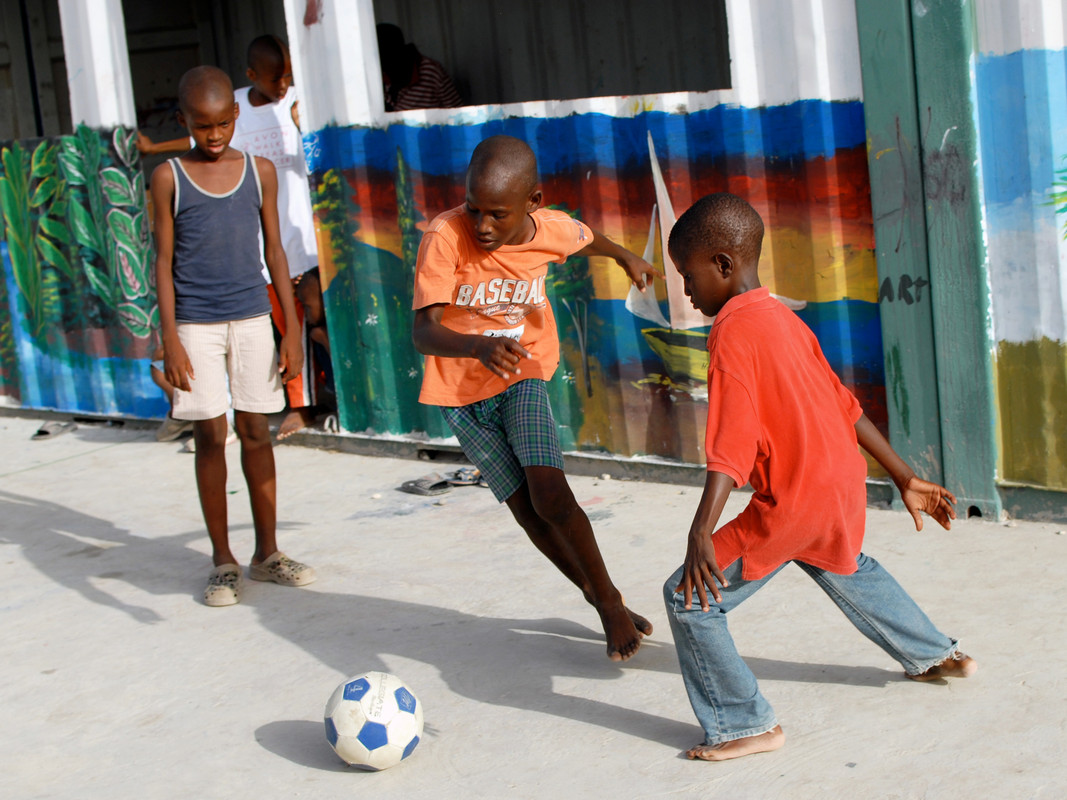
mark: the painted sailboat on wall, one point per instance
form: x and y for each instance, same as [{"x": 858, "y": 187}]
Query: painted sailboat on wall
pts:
[{"x": 680, "y": 340}]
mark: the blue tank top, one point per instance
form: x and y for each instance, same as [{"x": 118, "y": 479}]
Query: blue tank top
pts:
[{"x": 218, "y": 268}]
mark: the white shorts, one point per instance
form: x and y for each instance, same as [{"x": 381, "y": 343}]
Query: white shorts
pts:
[{"x": 244, "y": 349}]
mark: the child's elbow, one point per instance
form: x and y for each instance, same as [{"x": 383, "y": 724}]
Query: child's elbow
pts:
[{"x": 418, "y": 339}]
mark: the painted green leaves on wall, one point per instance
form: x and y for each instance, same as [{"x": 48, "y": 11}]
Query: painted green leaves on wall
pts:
[
  {"x": 74, "y": 217},
  {"x": 15, "y": 202},
  {"x": 107, "y": 218},
  {"x": 32, "y": 197}
]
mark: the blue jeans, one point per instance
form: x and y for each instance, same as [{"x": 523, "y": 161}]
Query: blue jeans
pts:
[{"x": 721, "y": 687}]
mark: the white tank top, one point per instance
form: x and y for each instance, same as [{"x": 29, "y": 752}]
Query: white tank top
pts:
[{"x": 269, "y": 131}]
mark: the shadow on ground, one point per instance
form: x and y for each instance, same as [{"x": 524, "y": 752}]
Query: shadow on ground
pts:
[{"x": 511, "y": 662}]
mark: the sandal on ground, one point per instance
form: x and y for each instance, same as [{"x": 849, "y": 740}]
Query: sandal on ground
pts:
[
  {"x": 224, "y": 586},
  {"x": 282, "y": 569},
  {"x": 467, "y": 476},
  {"x": 427, "y": 485},
  {"x": 957, "y": 665},
  {"x": 50, "y": 430}
]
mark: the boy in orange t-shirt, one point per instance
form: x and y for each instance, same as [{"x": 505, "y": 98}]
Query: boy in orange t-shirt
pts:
[
  {"x": 487, "y": 330},
  {"x": 779, "y": 419}
]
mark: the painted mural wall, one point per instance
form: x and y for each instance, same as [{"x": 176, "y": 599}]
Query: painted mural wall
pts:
[
  {"x": 789, "y": 137},
  {"x": 77, "y": 290},
  {"x": 1021, "y": 87}
]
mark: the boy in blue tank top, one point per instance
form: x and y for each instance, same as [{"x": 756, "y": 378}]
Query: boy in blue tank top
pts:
[{"x": 211, "y": 206}]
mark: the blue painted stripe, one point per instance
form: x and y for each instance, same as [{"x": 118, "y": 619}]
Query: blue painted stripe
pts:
[
  {"x": 51, "y": 375},
  {"x": 849, "y": 332},
  {"x": 1022, "y": 115},
  {"x": 805, "y": 129}
]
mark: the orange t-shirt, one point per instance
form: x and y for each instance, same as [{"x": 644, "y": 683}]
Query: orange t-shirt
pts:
[
  {"x": 498, "y": 293},
  {"x": 780, "y": 419}
]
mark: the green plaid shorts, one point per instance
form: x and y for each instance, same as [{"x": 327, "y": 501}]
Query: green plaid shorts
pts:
[{"x": 503, "y": 434}]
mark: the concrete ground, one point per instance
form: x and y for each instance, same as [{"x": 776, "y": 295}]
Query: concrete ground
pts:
[{"x": 117, "y": 682}]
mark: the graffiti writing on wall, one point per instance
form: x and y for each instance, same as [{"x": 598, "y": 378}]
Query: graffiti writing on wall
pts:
[{"x": 907, "y": 290}]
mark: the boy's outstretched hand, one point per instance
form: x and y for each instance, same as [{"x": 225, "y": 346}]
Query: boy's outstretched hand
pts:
[
  {"x": 937, "y": 501},
  {"x": 145, "y": 145},
  {"x": 918, "y": 495},
  {"x": 500, "y": 355},
  {"x": 640, "y": 271}
]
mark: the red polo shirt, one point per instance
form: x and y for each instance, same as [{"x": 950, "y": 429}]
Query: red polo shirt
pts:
[{"x": 780, "y": 420}]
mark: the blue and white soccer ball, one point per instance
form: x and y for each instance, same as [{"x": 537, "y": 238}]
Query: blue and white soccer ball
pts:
[{"x": 373, "y": 721}]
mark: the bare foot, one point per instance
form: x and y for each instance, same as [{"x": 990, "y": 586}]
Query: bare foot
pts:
[
  {"x": 957, "y": 665},
  {"x": 624, "y": 639},
  {"x": 296, "y": 420},
  {"x": 764, "y": 743},
  {"x": 644, "y": 627}
]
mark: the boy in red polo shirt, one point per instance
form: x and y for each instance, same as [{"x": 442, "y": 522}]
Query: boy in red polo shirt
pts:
[
  {"x": 487, "y": 330},
  {"x": 779, "y": 419}
]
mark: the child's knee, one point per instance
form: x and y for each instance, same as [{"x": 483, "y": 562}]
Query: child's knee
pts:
[
  {"x": 529, "y": 520},
  {"x": 555, "y": 506},
  {"x": 252, "y": 428},
  {"x": 210, "y": 434},
  {"x": 550, "y": 494}
]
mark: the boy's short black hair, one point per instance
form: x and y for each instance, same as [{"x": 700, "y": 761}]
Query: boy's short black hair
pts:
[
  {"x": 717, "y": 222},
  {"x": 502, "y": 160},
  {"x": 203, "y": 82},
  {"x": 390, "y": 37},
  {"x": 266, "y": 48}
]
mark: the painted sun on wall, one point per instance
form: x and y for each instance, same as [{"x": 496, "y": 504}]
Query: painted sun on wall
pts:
[{"x": 632, "y": 379}]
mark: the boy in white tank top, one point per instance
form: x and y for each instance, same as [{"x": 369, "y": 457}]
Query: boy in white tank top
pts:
[{"x": 268, "y": 126}]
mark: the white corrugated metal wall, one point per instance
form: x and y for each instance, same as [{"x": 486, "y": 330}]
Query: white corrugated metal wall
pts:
[{"x": 1021, "y": 87}]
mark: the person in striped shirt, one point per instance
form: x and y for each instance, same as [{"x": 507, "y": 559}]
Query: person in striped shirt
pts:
[{"x": 411, "y": 79}]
